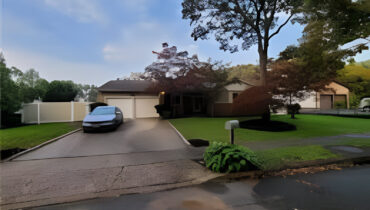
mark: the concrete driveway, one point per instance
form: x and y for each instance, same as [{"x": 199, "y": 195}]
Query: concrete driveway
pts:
[{"x": 140, "y": 135}]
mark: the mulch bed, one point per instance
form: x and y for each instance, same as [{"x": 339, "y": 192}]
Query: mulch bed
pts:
[
  {"x": 198, "y": 142},
  {"x": 262, "y": 125},
  {"x": 9, "y": 152}
]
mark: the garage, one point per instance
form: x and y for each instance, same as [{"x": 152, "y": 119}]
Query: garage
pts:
[
  {"x": 134, "y": 97},
  {"x": 144, "y": 107},
  {"x": 125, "y": 104},
  {"x": 326, "y": 101},
  {"x": 136, "y": 107}
]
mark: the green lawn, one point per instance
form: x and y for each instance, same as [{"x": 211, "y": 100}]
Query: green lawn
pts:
[
  {"x": 31, "y": 135},
  {"x": 212, "y": 129},
  {"x": 279, "y": 157}
]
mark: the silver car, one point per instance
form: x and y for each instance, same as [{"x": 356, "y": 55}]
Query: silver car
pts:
[{"x": 102, "y": 118}]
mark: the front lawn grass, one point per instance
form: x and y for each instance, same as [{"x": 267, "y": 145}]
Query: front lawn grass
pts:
[
  {"x": 31, "y": 135},
  {"x": 308, "y": 126},
  {"x": 276, "y": 158}
]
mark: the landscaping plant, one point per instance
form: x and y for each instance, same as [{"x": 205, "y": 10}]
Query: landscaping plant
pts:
[
  {"x": 293, "y": 109},
  {"x": 222, "y": 157}
]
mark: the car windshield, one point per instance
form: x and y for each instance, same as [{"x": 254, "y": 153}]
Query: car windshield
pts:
[{"x": 103, "y": 111}]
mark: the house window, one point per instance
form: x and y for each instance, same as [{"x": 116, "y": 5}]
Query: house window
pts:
[{"x": 235, "y": 95}]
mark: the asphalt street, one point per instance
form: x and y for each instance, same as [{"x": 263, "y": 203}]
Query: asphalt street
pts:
[{"x": 348, "y": 188}]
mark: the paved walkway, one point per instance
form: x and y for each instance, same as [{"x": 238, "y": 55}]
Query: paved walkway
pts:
[{"x": 329, "y": 140}]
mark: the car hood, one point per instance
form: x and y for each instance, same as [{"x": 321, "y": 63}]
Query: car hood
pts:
[{"x": 99, "y": 118}]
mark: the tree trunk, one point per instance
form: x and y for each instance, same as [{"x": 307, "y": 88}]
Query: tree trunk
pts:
[
  {"x": 266, "y": 116},
  {"x": 263, "y": 66}
]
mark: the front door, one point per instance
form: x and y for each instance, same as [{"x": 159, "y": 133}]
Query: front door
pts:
[{"x": 197, "y": 104}]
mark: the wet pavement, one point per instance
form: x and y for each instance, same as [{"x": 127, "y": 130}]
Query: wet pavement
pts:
[
  {"x": 347, "y": 149},
  {"x": 344, "y": 189},
  {"x": 140, "y": 135}
]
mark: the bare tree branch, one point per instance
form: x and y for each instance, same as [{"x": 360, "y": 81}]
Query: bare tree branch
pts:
[{"x": 281, "y": 26}]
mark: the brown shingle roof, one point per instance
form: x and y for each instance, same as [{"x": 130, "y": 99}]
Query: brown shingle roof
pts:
[{"x": 125, "y": 86}]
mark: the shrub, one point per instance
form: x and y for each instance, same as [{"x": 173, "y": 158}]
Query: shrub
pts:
[
  {"x": 293, "y": 109},
  {"x": 222, "y": 157},
  {"x": 340, "y": 105},
  {"x": 10, "y": 120},
  {"x": 96, "y": 104},
  {"x": 163, "y": 110}
]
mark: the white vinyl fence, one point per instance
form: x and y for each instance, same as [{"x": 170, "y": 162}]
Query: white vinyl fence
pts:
[{"x": 46, "y": 112}]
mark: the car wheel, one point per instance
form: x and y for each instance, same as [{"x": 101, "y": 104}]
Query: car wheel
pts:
[{"x": 85, "y": 130}]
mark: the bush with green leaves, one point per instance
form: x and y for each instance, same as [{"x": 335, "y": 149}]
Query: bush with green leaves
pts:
[
  {"x": 293, "y": 109},
  {"x": 222, "y": 157},
  {"x": 340, "y": 105}
]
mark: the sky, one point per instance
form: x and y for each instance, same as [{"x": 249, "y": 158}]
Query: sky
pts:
[{"x": 94, "y": 41}]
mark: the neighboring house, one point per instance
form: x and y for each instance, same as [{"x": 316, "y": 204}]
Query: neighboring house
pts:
[
  {"x": 334, "y": 95},
  {"x": 134, "y": 99},
  {"x": 223, "y": 104}
]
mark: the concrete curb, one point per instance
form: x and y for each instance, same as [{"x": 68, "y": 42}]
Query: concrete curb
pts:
[
  {"x": 40, "y": 145},
  {"x": 178, "y": 133}
]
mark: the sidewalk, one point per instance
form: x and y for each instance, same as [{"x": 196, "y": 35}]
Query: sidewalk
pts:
[{"x": 47, "y": 181}]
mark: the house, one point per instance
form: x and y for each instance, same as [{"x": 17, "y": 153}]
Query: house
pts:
[
  {"x": 335, "y": 94},
  {"x": 134, "y": 99}
]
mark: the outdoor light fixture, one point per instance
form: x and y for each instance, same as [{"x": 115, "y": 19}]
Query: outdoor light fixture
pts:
[{"x": 162, "y": 92}]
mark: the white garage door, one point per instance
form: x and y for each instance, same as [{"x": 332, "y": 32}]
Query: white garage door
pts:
[
  {"x": 125, "y": 104},
  {"x": 145, "y": 107}
]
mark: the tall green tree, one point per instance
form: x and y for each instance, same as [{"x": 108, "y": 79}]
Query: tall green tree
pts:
[
  {"x": 41, "y": 88},
  {"x": 31, "y": 85},
  {"x": 357, "y": 78},
  {"x": 249, "y": 73},
  {"x": 248, "y": 21},
  {"x": 345, "y": 20},
  {"x": 9, "y": 91},
  {"x": 61, "y": 91},
  {"x": 92, "y": 93},
  {"x": 87, "y": 92}
]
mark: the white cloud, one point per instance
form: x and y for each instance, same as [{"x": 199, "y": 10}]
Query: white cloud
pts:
[
  {"x": 83, "y": 10},
  {"x": 52, "y": 68},
  {"x": 137, "y": 5},
  {"x": 136, "y": 44},
  {"x": 133, "y": 49}
]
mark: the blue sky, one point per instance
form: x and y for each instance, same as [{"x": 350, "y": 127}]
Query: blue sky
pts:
[{"x": 93, "y": 41}]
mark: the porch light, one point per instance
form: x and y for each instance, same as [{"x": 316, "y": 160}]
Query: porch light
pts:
[{"x": 162, "y": 93}]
